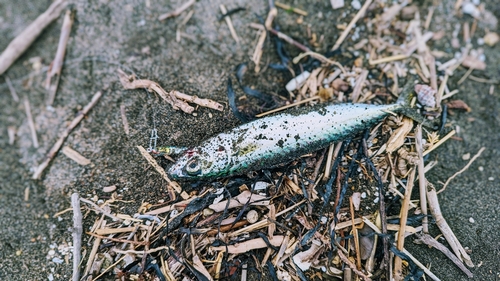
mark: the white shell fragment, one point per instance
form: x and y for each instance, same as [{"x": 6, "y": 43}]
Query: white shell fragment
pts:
[
  {"x": 471, "y": 9},
  {"x": 252, "y": 216},
  {"x": 356, "y": 200},
  {"x": 426, "y": 95},
  {"x": 297, "y": 81},
  {"x": 304, "y": 259}
]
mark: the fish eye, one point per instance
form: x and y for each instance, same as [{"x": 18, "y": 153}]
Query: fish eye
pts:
[{"x": 193, "y": 167}]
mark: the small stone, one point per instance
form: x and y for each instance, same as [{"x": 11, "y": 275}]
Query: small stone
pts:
[
  {"x": 356, "y": 4},
  {"x": 491, "y": 38},
  {"x": 491, "y": 178},
  {"x": 52, "y": 252},
  {"x": 481, "y": 168},
  {"x": 471, "y": 220},
  {"x": 466, "y": 156}
]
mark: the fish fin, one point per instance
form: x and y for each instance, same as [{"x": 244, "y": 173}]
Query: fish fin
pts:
[
  {"x": 406, "y": 99},
  {"x": 408, "y": 93}
]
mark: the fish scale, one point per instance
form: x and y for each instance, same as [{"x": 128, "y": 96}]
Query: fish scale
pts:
[{"x": 267, "y": 142}]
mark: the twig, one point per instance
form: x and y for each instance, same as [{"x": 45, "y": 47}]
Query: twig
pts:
[
  {"x": 482, "y": 80},
  {"x": 150, "y": 251},
  {"x": 283, "y": 36},
  {"x": 230, "y": 24},
  {"x": 124, "y": 119},
  {"x": 130, "y": 82},
  {"x": 101, "y": 210},
  {"x": 319, "y": 57},
  {"x": 201, "y": 102},
  {"x": 177, "y": 11},
  {"x": 31, "y": 124},
  {"x": 257, "y": 54},
  {"x": 52, "y": 152},
  {"x": 469, "y": 71},
  {"x": 161, "y": 171},
  {"x": 352, "y": 266},
  {"x": 12, "y": 90},
  {"x": 346, "y": 31},
  {"x": 93, "y": 252},
  {"x": 264, "y": 222},
  {"x": 24, "y": 40},
  {"x": 355, "y": 234},
  {"x": 290, "y": 8},
  {"x": 360, "y": 81},
  {"x": 462, "y": 170},
  {"x": 421, "y": 178},
  {"x": 428, "y": 240},
  {"x": 403, "y": 217},
  {"x": 243, "y": 247},
  {"x": 387, "y": 59},
  {"x": 419, "y": 264},
  {"x": 440, "y": 142},
  {"x": 444, "y": 227},
  {"x": 77, "y": 235},
  {"x": 56, "y": 66}
]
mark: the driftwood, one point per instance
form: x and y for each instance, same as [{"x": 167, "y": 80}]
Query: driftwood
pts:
[{"x": 21, "y": 43}]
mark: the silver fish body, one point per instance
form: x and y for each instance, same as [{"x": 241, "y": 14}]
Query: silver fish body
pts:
[{"x": 269, "y": 141}]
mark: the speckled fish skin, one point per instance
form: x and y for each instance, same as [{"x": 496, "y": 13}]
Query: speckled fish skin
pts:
[{"x": 269, "y": 141}]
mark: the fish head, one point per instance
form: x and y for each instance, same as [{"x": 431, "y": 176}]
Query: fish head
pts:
[{"x": 200, "y": 163}]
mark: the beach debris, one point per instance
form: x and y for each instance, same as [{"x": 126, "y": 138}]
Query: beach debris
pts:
[
  {"x": 22, "y": 42},
  {"x": 31, "y": 123},
  {"x": 176, "y": 99},
  {"x": 54, "y": 72},
  {"x": 177, "y": 11},
  {"x": 55, "y": 148},
  {"x": 426, "y": 95},
  {"x": 75, "y": 156},
  {"x": 77, "y": 235},
  {"x": 123, "y": 115},
  {"x": 229, "y": 23},
  {"x": 330, "y": 211},
  {"x": 491, "y": 38}
]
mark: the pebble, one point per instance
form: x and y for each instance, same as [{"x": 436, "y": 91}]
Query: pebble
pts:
[
  {"x": 481, "y": 168},
  {"x": 466, "y": 156},
  {"x": 471, "y": 220},
  {"x": 52, "y": 252},
  {"x": 356, "y": 4},
  {"x": 491, "y": 178}
]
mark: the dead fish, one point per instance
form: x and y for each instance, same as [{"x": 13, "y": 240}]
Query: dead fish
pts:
[{"x": 267, "y": 142}]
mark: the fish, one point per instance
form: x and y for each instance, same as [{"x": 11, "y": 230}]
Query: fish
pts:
[{"x": 267, "y": 142}]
